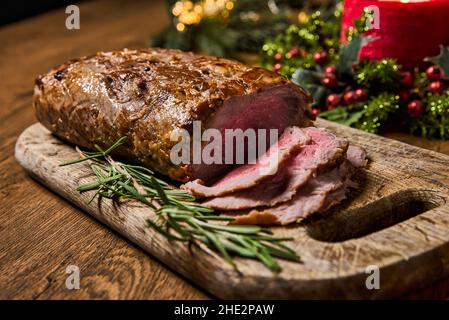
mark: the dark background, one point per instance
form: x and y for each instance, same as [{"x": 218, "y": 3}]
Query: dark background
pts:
[{"x": 15, "y": 10}]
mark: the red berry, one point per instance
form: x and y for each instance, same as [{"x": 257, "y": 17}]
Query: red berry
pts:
[
  {"x": 434, "y": 73},
  {"x": 294, "y": 52},
  {"x": 360, "y": 95},
  {"x": 406, "y": 79},
  {"x": 278, "y": 56},
  {"x": 404, "y": 94},
  {"x": 320, "y": 57},
  {"x": 415, "y": 109},
  {"x": 349, "y": 97},
  {"x": 277, "y": 67},
  {"x": 332, "y": 101},
  {"x": 329, "y": 80},
  {"x": 315, "y": 113},
  {"x": 330, "y": 69},
  {"x": 436, "y": 87}
]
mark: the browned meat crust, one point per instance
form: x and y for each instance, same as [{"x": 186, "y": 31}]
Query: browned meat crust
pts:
[{"x": 144, "y": 95}]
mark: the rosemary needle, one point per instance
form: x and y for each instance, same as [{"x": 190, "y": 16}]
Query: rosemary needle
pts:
[{"x": 179, "y": 217}]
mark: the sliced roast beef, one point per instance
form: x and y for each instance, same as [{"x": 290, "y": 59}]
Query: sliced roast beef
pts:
[
  {"x": 357, "y": 156},
  {"x": 249, "y": 175},
  {"x": 324, "y": 151},
  {"x": 308, "y": 200},
  {"x": 336, "y": 196},
  {"x": 347, "y": 170}
]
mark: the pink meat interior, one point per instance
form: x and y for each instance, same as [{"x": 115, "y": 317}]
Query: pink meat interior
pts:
[{"x": 276, "y": 107}]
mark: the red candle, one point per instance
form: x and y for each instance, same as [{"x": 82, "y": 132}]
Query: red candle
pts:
[{"x": 409, "y": 30}]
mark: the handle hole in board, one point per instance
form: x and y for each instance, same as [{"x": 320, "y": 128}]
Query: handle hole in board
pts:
[{"x": 373, "y": 217}]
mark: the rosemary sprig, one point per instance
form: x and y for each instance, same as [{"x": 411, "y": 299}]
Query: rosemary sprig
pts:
[{"x": 179, "y": 217}]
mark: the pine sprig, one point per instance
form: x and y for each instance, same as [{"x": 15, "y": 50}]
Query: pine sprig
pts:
[
  {"x": 382, "y": 75},
  {"x": 360, "y": 25},
  {"x": 377, "y": 111},
  {"x": 317, "y": 33},
  {"x": 179, "y": 217},
  {"x": 435, "y": 121},
  {"x": 368, "y": 116}
]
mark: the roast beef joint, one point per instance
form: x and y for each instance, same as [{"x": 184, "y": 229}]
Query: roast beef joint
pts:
[{"x": 148, "y": 95}]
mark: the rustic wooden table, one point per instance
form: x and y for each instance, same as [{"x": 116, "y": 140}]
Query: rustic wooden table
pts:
[{"x": 42, "y": 234}]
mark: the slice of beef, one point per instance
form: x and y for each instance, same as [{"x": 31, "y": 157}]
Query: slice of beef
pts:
[
  {"x": 249, "y": 175},
  {"x": 357, "y": 156},
  {"x": 308, "y": 200},
  {"x": 149, "y": 93},
  {"x": 347, "y": 170},
  {"x": 335, "y": 196},
  {"x": 325, "y": 151}
]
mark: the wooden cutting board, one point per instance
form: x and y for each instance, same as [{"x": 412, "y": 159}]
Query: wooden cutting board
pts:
[{"x": 398, "y": 220}]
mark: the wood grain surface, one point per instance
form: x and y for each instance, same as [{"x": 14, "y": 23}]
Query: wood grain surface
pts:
[
  {"x": 40, "y": 233},
  {"x": 397, "y": 220}
]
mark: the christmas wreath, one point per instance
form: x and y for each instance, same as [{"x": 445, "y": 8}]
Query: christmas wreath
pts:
[{"x": 372, "y": 95}]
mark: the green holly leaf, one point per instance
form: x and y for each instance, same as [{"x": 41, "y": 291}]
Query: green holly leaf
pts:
[
  {"x": 320, "y": 94},
  {"x": 343, "y": 115},
  {"x": 306, "y": 77},
  {"x": 349, "y": 55},
  {"x": 441, "y": 60},
  {"x": 354, "y": 118},
  {"x": 310, "y": 80},
  {"x": 338, "y": 114}
]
